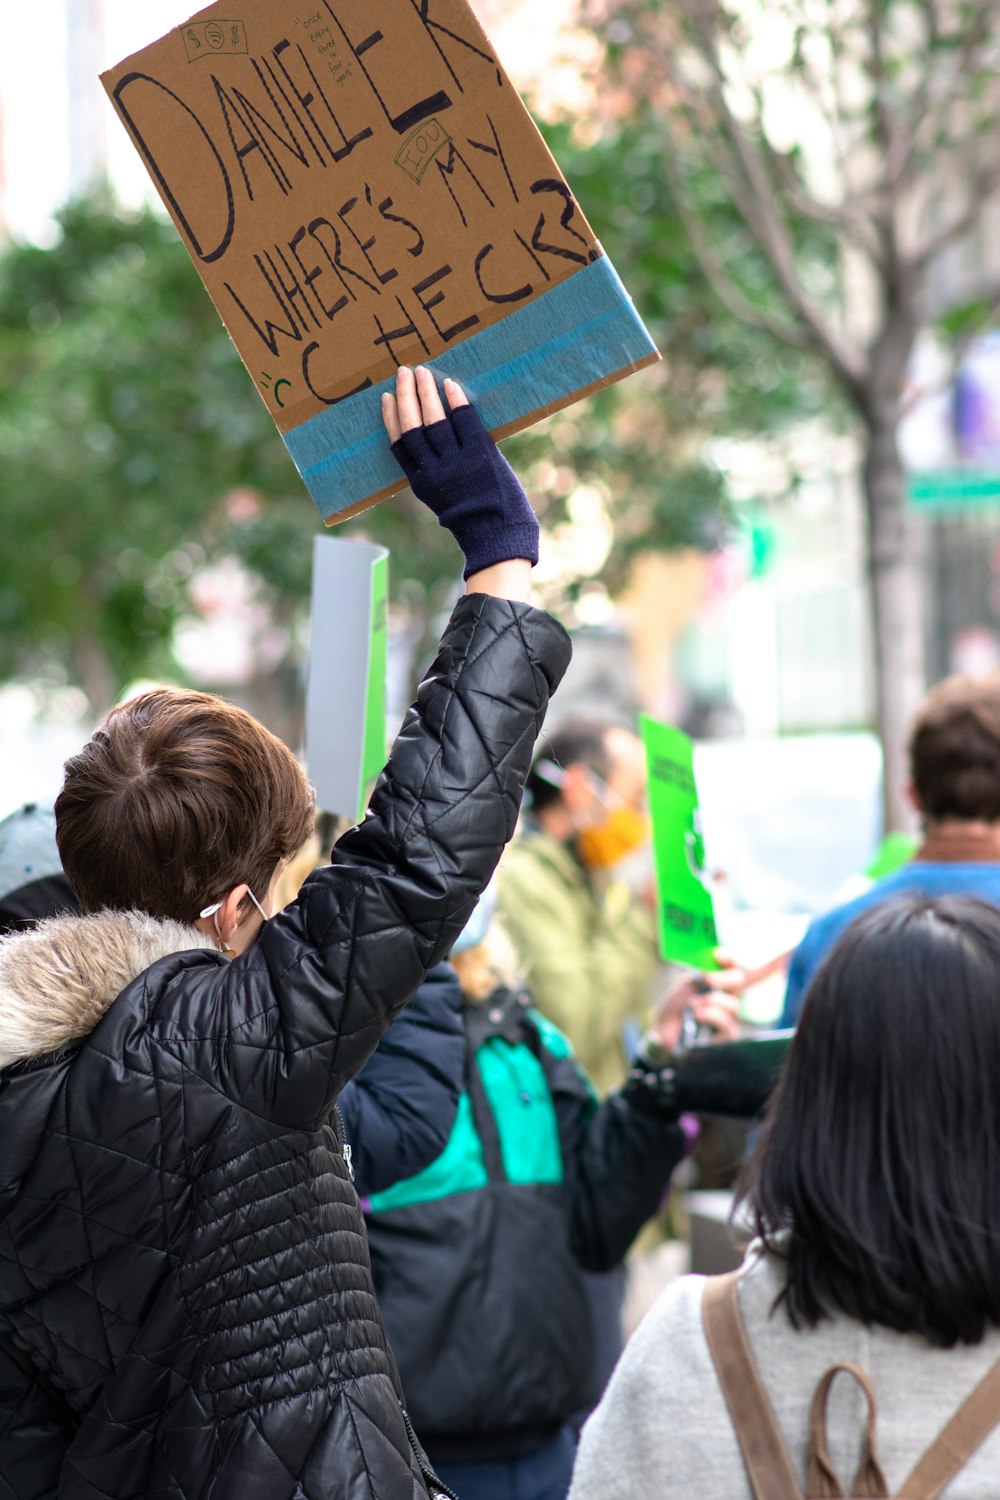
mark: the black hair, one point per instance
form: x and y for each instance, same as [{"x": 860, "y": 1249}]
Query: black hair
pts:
[
  {"x": 575, "y": 742},
  {"x": 877, "y": 1173}
]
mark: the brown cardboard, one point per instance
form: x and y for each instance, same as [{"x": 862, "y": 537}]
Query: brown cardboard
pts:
[{"x": 358, "y": 184}]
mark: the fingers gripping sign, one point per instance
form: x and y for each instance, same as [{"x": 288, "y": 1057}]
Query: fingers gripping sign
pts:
[
  {"x": 456, "y": 469},
  {"x": 417, "y": 402}
]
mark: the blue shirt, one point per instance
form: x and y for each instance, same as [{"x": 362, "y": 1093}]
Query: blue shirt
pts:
[{"x": 923, "y": 876}]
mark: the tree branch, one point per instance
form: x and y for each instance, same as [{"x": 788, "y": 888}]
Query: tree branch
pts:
[
  {"x": 763, "y": 218},
  {"x": 932, "y": 109},
  {"x": 725, "y": 288},
  {"x": 899, "y": 164},
  {"x": 849, "y": 219},
  {"x": 885, "y": 134},
  {"x": 985, "y": 182}
]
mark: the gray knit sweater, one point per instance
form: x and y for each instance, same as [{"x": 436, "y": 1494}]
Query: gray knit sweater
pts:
[{"x": 663, "y": 1429}]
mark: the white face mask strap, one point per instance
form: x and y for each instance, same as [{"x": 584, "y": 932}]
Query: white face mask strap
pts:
[
  {"x": 213, "y": 912},
  {"x": 216, "y": 906},
  {"x": 256, "y": 903}
]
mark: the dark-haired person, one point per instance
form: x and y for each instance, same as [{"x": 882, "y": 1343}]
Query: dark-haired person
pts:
[
  {"x": 954, "y": 751},
  {"x": 186, "y": 1304},
  {"x": 586, "y": 940},
  {"x": 875, "y": 1194}
]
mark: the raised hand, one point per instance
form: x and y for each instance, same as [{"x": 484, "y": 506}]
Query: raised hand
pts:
[{"x": 456, "y": 469}]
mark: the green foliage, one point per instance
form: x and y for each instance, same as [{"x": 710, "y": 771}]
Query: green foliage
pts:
[
  {"x": 723, "y": 376},
  {"x": 132, "y": 449},
  {"x": 124, "y": 428},
  {"x": 646, "y": 440}
]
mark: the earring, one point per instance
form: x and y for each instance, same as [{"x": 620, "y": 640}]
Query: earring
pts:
[{"x": 227, "y": 951}]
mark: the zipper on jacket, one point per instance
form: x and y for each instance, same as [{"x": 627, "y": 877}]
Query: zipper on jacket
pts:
[
  {"x": 345, "y": 1145},
  {"x": 436, "y": 1486}
]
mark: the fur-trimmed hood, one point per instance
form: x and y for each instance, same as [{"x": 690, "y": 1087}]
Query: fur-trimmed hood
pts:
[{"x": 58, "y": 979}]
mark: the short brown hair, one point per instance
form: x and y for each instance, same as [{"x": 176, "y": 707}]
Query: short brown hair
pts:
[
  {"x": 955, "y": 749},
  {"x": 177, "y": 798}
]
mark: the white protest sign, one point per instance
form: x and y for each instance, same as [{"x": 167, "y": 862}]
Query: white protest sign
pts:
[{"x": 345, "y": 700}]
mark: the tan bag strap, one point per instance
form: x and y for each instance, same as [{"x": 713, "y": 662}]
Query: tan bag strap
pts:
[
  {"x": 768, "y": 1465},
  {"x": 822, "y": 1480},
  {"x": 957, "y": 1441}
]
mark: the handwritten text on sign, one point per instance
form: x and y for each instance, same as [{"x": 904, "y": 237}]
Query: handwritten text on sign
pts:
[{"x": 357, "y": 181}]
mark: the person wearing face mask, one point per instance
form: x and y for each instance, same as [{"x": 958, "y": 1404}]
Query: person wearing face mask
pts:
[
  {"x": 576, "y": 896},
  {"x": 479, "y": 1260},
  {"x": 186, "y": 1301},
  {"x": 576, "y": 893}
]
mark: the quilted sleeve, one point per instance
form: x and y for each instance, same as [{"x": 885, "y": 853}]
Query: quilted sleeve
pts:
[
  {"x": 399, "y": 1111},
  {"x": 35, "y": 1431},
  {"x": 282, "y": 1028}
]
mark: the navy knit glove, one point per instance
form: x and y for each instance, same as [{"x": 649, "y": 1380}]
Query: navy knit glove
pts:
[{"x": 457, "y": 470}]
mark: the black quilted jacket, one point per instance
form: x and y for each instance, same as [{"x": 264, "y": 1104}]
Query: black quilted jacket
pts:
[{"x": 186, "y": 1305}]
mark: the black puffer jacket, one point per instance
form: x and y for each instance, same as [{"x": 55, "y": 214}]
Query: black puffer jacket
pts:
[{"x": 186, "y": 1305}]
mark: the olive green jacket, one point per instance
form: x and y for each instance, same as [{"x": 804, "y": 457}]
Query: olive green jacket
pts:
[{"x": 589, "y": 954}]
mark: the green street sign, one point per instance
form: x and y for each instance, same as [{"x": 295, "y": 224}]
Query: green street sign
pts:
[{"x": 953, "y": 489}]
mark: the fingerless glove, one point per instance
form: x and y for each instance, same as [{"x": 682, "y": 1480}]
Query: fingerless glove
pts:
[{"x": 458, "y": 471}]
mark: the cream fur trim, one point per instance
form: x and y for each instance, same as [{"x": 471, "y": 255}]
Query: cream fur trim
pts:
[{"x": 58, "y": 979}]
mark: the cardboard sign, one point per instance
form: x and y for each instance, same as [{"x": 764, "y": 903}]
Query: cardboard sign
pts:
[
  {"x": 684, "y": 899},
  {"x": 346, "y": 694},
  {"x": 360, "y": 187}
]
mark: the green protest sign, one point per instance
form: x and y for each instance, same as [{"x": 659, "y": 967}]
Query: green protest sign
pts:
[
  {"x": 895, "y": 851},
  {"x": 686, "y": 919}
]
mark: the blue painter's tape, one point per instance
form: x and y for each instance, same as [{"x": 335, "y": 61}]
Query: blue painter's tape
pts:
[{"x": 573, "y": 335}]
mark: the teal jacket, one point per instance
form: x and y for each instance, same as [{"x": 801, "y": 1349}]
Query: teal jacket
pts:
[{"x": 477, "y": 1258}]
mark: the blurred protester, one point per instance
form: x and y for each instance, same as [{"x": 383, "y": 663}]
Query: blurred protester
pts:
[
  {"x": 186, "y": 1303},
  {"x": 585, "y": 935},
  {"x": 873, "y": 1194},
  {"x": 955, "y": 786},
  {"x": 477, "y": 1260},
  {"x": 32, "y": 883}
]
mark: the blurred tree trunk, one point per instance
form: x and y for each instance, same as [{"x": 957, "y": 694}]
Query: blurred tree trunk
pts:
[
  {"x": 895, "y": 607},
  {"x": 93, "y": 671}
]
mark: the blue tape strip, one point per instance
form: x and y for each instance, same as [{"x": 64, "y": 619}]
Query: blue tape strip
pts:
[{"x": 573, "y": 335}]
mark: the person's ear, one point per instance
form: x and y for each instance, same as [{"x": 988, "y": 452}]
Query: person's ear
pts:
[
  {"x": 229, "y": 914},
  {"x": 913, "y": 798},
  {"x": 221, "y": 926}
]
